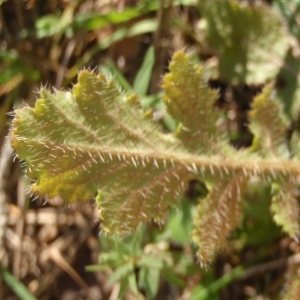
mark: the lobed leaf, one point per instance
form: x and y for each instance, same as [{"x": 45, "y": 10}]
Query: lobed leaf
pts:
[
  {"x": 285, "y": 207},
  {"x": 217, "y": 215},
  {"x": 188, "y": 100},
  {"x": 267, "y": 125},
  {"x": 95, "y": 142},
  {"x": 249, "y": 40}
]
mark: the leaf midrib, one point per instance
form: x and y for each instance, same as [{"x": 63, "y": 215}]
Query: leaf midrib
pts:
[{"x": 216, "y": 165}]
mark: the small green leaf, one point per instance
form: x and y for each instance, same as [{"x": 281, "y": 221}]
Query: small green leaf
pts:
[
  {"x": 143, "y": 77},
  {"x": 111, "y": 258},
  {"x": 180, "y": 223},
  {"x": 122, "y": 272},
  {"x": 96, "y": 21},
  {"x": 211, "y": 291},
  {"x": 133, "y": 284},
  {"x": 149, "y": 280},
  {"x": 151, "y": 261},
  {"x": 174, "y": 279},
  {"x": 52, "y": 24},
  {"x": 16, "y": 286}
]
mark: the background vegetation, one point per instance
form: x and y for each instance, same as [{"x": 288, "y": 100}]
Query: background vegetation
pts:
[{"x": 49, "y": 251}]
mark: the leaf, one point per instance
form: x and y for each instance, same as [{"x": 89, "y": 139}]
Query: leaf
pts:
[
  {"x": 180, "y": 223},
  {"x": 285, "y": 207},
  {"x": 19, "y": 289},
  {"x": 122, "y": 272},
  {"x": 287, "y": 10},
  {"x": 151, "y": 261},
  {"x": 78, "y": 143},
  {"x": 133, "y": 284},
  {"x": 258, "y": 224},
  {"x": 95, "y": 21},
  {"x": 288, "y": 87},
  {"x": 143, "y": 77},
  {"x": 58, "y": 24},
  {"x": 149, "y": 280},
  {"x": 96, "y": 142},
  {"x": 211, "y": 291},
  {"x": 212, "y": 229},
  {"x": 267, "y": 125},
  {"x": 249, "y": 40},
  {"x": 198, "y": 131}
]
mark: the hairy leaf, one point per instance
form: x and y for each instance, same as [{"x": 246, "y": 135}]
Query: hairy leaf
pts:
[
  {"x": 217, "y": 215},
  {"x": 267, "y": 125},
  {"x": 95, "y": 142},
  {"x": 188, "y": 99},
  {"x": 250, "y": 40},
  {"x": 285, "y": 207},
  {"x": 291, "y": 289}
]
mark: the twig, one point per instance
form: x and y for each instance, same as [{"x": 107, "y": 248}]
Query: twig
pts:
[
  {"x": 161, "y": 43},
  {"x": 5, "y": 167}
]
